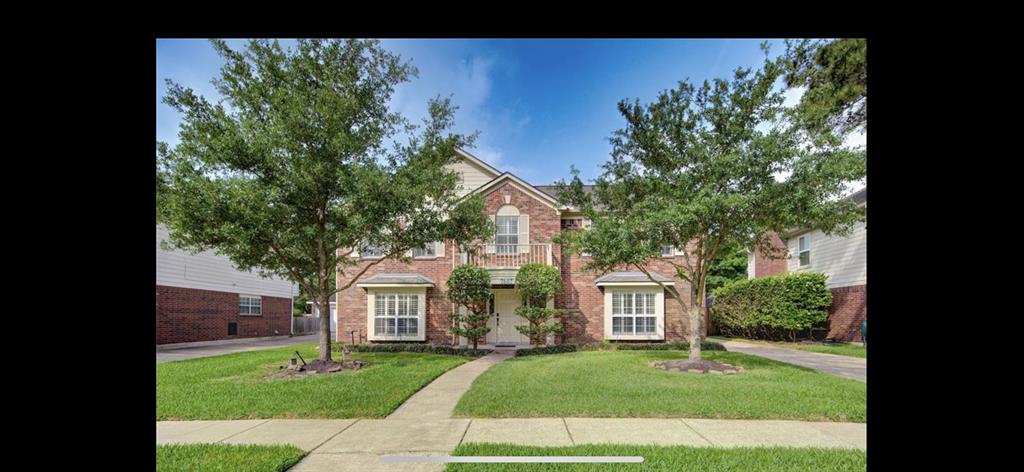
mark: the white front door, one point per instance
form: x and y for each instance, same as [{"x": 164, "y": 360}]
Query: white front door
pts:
[{"x": 504, "y": 321}]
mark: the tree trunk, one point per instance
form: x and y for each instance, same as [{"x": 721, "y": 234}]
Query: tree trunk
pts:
[
  {"x": 696, "y": 312},
  {"x": 324, "y": 305}
]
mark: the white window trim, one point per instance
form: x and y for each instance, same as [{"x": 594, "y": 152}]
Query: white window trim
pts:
[
  {"x": 659, "y": 314},
  {"x": 243, "y": 295},
  {"x": 806, "y": 237},
  {"x": 671, "y": 253},
  {"x": 433, "y": 256},
  {"x": 371, "y": 300}
]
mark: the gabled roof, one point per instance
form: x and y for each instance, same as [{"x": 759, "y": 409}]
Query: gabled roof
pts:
[
  {"x": 530, "y": 189},
  {"x": 475, "y": 160}
]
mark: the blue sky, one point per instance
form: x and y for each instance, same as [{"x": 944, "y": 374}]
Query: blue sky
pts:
[{"x": 540, "y": 105}]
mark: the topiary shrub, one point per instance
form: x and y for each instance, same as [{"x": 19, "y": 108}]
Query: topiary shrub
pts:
[
  {"x": 537, "y": 284},
  {"x": 775, "y": 307},
  {"x": 470, "y": 286}
]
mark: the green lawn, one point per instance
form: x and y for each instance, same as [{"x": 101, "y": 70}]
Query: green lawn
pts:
[
  {"x": 622, "y": 384},
  {"x": 842, "y": 349},
  {"x": 226, "y": 457},
  {"x": 235, "y": 386},
  {"x": 672, "y": 458}
]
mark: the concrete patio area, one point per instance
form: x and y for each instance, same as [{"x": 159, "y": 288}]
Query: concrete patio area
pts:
[{"x": 357, "y": 444}]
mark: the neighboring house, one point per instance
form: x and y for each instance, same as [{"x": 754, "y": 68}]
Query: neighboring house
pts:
[
  {"x": 842, "y": 258},
  {"x": 397, "y": 301},
  {"x": 202, "y": 297},
  {"x": 312, "y": 309}
]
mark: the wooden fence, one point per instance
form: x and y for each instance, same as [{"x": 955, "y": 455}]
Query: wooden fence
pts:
[{"x": 305, "y": 325}]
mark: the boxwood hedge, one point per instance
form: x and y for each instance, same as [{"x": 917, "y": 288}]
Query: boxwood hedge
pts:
[{"x": 417, "y": 347}]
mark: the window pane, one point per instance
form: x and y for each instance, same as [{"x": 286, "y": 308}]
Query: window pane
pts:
[
  {"x": 426, "y": 251},
  {"x": 616, "y": 303},
  {"x": 391, "y": 326},
  {"x": 627, "y": 324},
  {"x": 380, "y": 303},
  {"x": 805, "y": 258},
  {"x": 413, "y": 326},
  {"x": 668, "y": 250},
  {"x": 403, "y": 305},
  {"x": 378, "y": 326},
  {"x": 616, "y": 325},
  {"x": 391, "y": 305},
  {"x": 627, "y": 303},
  {"x": 651, "y": 297},
  {"x": 414, "y": 302},
  {"x": 255, "y": 310},
  {"x": 803, "y": 243},
  {"x": 402, "y": 325},
  {"x": 243, "y": 309}
]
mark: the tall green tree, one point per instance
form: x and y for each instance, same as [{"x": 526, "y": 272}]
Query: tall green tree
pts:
[
  {"x": 537, "y": 285},
  {"x": 729, "y": 266},
  {"x": 299, "y": 164},
  {"x": 835, "y": 74},
  {"x": 704, "y": 168}
]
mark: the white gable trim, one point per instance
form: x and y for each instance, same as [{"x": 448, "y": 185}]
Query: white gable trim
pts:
[
  {"x": 479, "y": 163},
  {"x": 523, "y": 185}
]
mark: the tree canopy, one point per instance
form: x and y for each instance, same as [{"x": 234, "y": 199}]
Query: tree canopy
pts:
[
  {"x": 299, "y": 163},
  {"x": 704, "y": 168}
]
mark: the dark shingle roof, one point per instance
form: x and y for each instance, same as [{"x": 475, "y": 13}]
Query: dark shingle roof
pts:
[{"x": 553, "y": 189}]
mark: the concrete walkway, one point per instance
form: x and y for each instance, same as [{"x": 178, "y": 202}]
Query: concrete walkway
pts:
[
  {"x": 437, "y": 400},
  {"x": 352, "y": 444},
  {"x": 177, "y": 352},
  {"x": 844, "y": 366}
]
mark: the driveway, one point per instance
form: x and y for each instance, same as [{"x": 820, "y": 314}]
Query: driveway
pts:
[
  {"x": 844, "y": 366},
  {"x": 171, "y": 352}
]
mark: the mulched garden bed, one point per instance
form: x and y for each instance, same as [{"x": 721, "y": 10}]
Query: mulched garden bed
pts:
[
  {"x": 702, "y": 366},
  {"x": 316, "y": 367}
]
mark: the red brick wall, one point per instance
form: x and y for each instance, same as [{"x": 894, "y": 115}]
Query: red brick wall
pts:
[
  {"x": 849, "y": 308},
  {"x": 764, "y": 266},
  {"x": 188, "y": 315},
  {"x": 583, "y": 302},
  {"x": 581, "y": 298}
]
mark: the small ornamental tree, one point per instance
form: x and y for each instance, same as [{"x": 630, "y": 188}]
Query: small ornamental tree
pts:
[
  {"x": 537, "y": 285},
  {"x": 470, "y": 286}
]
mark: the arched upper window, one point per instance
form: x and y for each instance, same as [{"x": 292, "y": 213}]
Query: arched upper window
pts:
[{"x": 506, "y": 234}]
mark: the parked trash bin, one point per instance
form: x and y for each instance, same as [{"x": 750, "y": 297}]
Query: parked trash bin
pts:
[{"x": 864, "y": 332}]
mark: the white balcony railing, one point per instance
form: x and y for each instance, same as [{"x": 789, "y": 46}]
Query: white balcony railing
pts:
[{"x": 506, "y": 256}]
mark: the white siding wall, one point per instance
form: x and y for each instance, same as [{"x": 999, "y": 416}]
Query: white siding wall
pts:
[
  {"x": 473, "y": 175},
  {"x": 843, "y": 259},
  {"x": 208, "y": 271}
]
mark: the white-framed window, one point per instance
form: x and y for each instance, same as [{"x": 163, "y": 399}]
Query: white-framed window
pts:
[
  {"x": 430, "y": 250},
  {"x": 668, "y": 250},
  {"x": 506, "y": 235},
  {"x": 250, "y": 305},
  {"x": 397, "y": 314},
  {"x": 370, "y": 251},
  {"x": 804, "y": 250},
  {"x": 634, "y": 313}
]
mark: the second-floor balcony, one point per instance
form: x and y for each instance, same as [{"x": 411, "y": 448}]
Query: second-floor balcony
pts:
[{"x": 505, "y": 256}]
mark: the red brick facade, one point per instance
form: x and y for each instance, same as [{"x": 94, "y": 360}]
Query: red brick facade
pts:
[
  {"x": 188, "y": 315},
  {"x": 765, "y": 266},
  {"x": 581, "y": 298},
  {"x": 849, "y": 308}
]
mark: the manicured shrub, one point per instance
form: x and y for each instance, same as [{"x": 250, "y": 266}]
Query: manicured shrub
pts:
[
  {"x": 537, "y": 284},
  {"x": 608, "y": 346},
  {"x": 417, "y": 347},
  {"x": 470, "y": 286},
  {"x": 774, "y": 307}
]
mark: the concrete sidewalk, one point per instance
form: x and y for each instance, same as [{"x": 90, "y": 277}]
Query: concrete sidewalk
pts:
[
  {"x": 844, "y": 366},
  {"x": 172, "y": 352},
  {"x": 357, "y": 444}
]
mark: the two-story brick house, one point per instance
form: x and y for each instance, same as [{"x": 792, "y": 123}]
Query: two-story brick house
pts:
[{"x": 397, "y": 301}]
